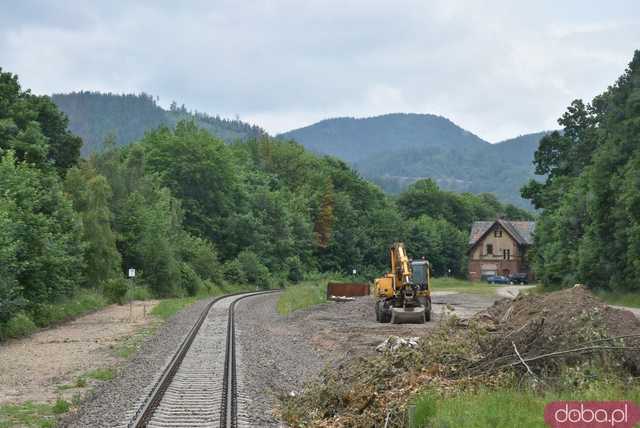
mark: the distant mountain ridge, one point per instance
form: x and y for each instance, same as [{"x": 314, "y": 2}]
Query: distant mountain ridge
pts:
[
  {"x": 353, "y": 139},
  {"x": 395, "y": 150},
  {"x": 94, "y": 116}
]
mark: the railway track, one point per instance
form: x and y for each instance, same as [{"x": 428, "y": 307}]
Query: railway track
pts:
[{"x": 198, "y": 387}]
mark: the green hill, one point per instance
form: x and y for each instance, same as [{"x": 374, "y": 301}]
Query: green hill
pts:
[
  {"x": 354, "y": 139},
  {"x": 94, "y": 116},
  {"x": 396, "y": 150}
]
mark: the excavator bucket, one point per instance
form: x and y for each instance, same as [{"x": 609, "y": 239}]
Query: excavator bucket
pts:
[{"x": 415, "y": 315}]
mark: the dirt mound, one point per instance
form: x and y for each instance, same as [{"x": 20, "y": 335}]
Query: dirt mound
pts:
[
  {"x": 562, "y": 327},
  {"x": 566, "y": 339}
]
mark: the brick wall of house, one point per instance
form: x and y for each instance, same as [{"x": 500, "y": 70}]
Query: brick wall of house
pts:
[{"x": 476, "y": 267}]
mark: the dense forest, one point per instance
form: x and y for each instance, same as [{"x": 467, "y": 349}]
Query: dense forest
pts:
[
  {"x": 393, "y": 151},
  {"x": 192, "y": 213},
  {"x": 589, "y": 231},
  {"x": 95, "y": 116},
  {"x": 396, "y": 150}
]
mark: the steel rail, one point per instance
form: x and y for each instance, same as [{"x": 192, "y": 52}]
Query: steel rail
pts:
[{"x": 229, "y": 402}]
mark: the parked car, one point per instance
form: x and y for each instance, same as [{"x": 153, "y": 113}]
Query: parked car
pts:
[
  {"x": 497, "y": 279},
  {"x": 519, "y": 278}
]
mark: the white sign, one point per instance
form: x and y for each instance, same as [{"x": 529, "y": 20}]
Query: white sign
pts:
[
  {"x": 354, "y": 272},
  {"x": 132, "y": 273}
]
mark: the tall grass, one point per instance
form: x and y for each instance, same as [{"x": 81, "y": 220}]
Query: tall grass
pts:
[
  {"x": 303, "y": 295},
  {"x": 311, "y": 291},
  {"x": 507, "y": 407},
  {"x": 631, "y": 300},
  {"x": 621, "y": 299},
  {"x": 461, "y": 286}
]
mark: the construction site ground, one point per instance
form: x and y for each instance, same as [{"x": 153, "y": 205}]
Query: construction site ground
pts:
[{"x": 350, "y": 328}]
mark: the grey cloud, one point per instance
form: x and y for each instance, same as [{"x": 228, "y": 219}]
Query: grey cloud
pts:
[{"x": 496, "y": 68}]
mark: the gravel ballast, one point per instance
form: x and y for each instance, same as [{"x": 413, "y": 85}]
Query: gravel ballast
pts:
[
  {"x": 274, "y": 356},
  {"x": 110, "y": 403}
]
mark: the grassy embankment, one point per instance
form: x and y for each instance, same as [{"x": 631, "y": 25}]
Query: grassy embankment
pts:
[
  {"x": 311, "y": 291},
  {"x": 507, "y": 407},
  {"x": 462, "y": 286},
  {"x": 621, "y": 299},
  {"x": 631, "y": 300}
]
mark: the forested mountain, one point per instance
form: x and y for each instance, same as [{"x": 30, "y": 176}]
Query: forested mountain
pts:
[
  {"x": 589, "y": 230},
  {"x": 94, "y": 116},
  {"x": 354, "y": 139},
  {"x": 393, "y": 150},
  {"x": 396, "y": 150}
]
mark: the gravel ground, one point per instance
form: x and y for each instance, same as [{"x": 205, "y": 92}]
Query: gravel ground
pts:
[
  {"x": 112, "y": 401},
  {"x": 277, "y": 355},
  {"x": 34, "y": 368},
  {"x": 273, "y": 355}
]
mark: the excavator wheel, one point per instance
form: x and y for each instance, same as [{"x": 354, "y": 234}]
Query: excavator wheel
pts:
[
  {"x": 427, "y": 311},
  {"x": 382, "y": 315}
]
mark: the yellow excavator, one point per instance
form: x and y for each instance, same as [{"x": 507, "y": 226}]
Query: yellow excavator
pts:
[{"x": 404, "y": 294}]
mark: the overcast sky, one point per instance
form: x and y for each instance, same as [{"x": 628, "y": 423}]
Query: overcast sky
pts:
[{"x": 496, "y": 68}]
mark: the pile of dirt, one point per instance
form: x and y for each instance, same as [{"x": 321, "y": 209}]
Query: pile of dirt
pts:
[
  {"x": 534, "y": 338},
  {"x": 552, "y": 330}
]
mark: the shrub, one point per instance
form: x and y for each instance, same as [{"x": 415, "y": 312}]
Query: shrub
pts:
[
  {"x": 232, "y": 272},
  {"x": 253, "y": 269},
  {"x": 190, "y": 282},
  {"x": 44, "y": 314},
  {"x": 138, "y": 293},
  {"x": 294, "y": 266},
  {"x": 115, "y": 290},
  {"x": 18, "y": 326},
  {"x": 201, "y": 257}
]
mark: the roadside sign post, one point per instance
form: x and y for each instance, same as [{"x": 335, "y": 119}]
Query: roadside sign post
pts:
[{"x": 131, "y": 274}]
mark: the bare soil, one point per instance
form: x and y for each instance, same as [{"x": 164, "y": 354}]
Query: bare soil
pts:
[
  {"x": 348, "y": 329},
  {"x": 34, "y": 368}
]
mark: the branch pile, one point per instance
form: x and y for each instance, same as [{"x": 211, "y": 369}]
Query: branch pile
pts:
[{"x": 534, "y": 339}]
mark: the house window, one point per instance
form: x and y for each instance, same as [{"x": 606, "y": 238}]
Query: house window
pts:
[
  {"x": 506, "y": 254},
  {"x": 497, "y": 233},
  {"x": 489, "y": 249}
]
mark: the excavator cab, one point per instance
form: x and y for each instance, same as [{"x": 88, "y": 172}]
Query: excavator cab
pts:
[{"x": 421, "y": 278}]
